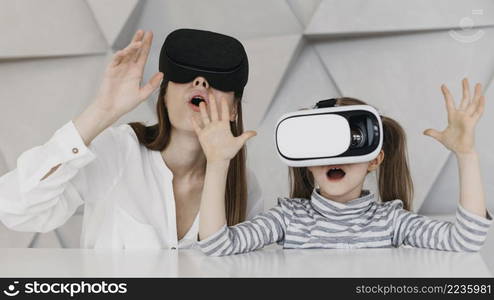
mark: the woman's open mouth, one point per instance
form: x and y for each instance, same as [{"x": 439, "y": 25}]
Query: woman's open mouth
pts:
[
  {"x": 195, "y": 101},
  {"x": 335, "y": 174}
]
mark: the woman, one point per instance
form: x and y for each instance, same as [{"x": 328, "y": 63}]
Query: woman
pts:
[{"x": 140, "y": 185}]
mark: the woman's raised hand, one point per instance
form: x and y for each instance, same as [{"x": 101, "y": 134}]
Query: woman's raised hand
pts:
[
  {"x": 215, "y": 135},
  {"x": 459, "y": 136},
  {"x": 121, "y": 91}
]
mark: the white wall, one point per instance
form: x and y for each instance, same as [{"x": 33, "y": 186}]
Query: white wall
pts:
[{"x": 392, "y": 54}]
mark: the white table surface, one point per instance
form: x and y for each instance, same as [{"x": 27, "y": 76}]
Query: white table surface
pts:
[{"x": 270, "y": 262}]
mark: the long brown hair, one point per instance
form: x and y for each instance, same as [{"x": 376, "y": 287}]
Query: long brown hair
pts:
[
  {"x": 157, "y": 137},
  {"x": 394, "y": 179}
]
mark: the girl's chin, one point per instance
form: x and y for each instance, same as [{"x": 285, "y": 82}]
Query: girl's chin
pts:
[
  {"x": 332, "y": 193},
  {"x": 335, "y": 189}
]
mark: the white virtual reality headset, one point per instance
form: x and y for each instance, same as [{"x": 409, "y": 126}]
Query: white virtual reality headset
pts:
[{"x": 329, "y": 135}]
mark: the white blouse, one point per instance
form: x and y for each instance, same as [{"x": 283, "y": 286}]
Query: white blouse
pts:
[{"x": 126, "y": 190}]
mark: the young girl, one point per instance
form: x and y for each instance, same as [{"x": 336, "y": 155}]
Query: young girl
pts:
[{"x": 336, "y": 212}]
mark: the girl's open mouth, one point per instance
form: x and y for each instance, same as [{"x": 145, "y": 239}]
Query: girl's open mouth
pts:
[{"x": 335, "y": 174}]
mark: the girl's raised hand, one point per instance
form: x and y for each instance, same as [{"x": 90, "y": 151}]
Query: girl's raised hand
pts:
[
  {"x": 459, "y": 136},
  {"x": 215, "y": 135}
]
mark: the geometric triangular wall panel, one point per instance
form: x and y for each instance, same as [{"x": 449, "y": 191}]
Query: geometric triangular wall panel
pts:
[
  {"x": 3, "y": 165},
  {"x": 362, "y": 17},
  {"x": 304, "y": 9},
  {"x": 242, "y": 19},
  {"x": 32, "y": 28},
  {"x": 269, "y": 59},
  {"x": 112, "y": 15},
  {"x": 42, "y": 95}
]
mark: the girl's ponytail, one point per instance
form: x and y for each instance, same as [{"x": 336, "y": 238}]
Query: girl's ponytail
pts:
[{"x": 393, "y": 176}]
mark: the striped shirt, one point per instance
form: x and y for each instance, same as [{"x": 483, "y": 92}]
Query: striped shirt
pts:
[{"x": 359, "y": 223}]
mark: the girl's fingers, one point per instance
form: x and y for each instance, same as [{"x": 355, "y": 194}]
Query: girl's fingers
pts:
[
  {"x": 213, "y": 108},
  {"x": 152, "y": 85},
  {"x": 472, "y": 107},
  {"x": 448, "y": 98},
  {"x": 225, "y": 110},
  {"x": 204, "y": 113},
  {"x": 480, "y": 108},
  {"x": 465, "y": 100},
  {"x": 433, "y": 133}
]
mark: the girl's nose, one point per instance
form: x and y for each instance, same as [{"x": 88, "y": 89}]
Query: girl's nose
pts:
[{"x": 201, "y": 82}]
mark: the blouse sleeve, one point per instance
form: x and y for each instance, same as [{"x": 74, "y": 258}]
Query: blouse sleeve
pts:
[{"x": 28, "y": 203}]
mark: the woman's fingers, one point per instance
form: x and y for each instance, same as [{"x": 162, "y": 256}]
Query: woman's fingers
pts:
[
  {"x": 131, "y": 51},
  {"x": 465, "y": 100},
  {"x": 225, "y": 110},
  {"x": 124, "y": 55},
  {"x": 245, "y": 136},
  {"x": 213, "y": 108},
  {"x": 139, "y": 45},
  {"x": 138, "y": 36},
  {"x": 144, "y": 52},
  {"x": 204, "y": 113},
  {"x": 117, "y": 58},
  {"x": 151, "y": 85}
]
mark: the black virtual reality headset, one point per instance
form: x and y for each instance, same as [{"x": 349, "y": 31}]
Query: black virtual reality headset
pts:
[
  {"x": 221, "y": 59},
  {"x": 329, "y": 135}
]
